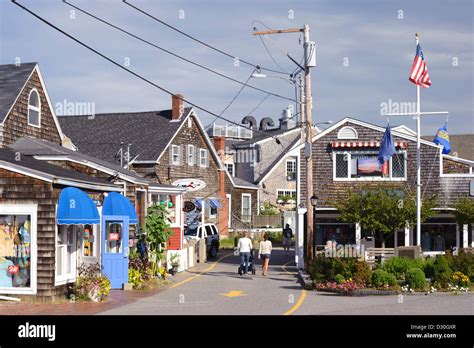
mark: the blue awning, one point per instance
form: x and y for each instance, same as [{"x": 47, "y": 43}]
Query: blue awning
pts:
[
  {"x": 214, "y": 203},
  {"x": 75, "y": 207},
  {"x": 116, "y": 204},
  {"x": 198, "y": 203}
]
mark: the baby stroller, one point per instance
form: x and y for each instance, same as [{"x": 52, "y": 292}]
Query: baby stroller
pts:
[{"x": 251, "y": 267}]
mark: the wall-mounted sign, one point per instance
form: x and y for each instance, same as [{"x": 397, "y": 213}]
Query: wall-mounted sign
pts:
[
  {"x": 189, "y": 206},
  {"x": 190, "y": 184},
  {"x": 113, "y": 236},
  {"x": 97, "y": 198}
]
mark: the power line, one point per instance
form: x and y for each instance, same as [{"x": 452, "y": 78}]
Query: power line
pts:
[
  {"x": 124, "y": 68},
  {"x": 171, "y": 53},
  {"x": 200, "y": 41}
]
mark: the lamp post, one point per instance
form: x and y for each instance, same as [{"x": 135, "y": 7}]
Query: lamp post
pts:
[{"x": 314, "y": 203}]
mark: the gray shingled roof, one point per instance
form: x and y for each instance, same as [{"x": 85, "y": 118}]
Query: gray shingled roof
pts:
[
  {"x": 29, "y": 146},
  {"x": 29, "y": 163},
  {"x": 463, "y": 144},
  {"x": 100, "y": 136},
  {"x": 12, "y": 80}
]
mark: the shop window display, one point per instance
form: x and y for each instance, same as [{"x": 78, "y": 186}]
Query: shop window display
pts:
[{"x": 15, "y": 252}]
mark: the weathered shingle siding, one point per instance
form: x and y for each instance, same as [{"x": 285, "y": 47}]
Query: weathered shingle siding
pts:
[
  {"x": 20, "y": 189},
  {"x": 277, "y": 180},
  {"x": 453, "y": 167},
  {"x": 328, "y": 190},
  {"x": 16, "y": 124}
]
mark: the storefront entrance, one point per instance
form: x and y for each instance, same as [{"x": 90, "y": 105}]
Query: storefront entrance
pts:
[{"x": 115, "y": 249}]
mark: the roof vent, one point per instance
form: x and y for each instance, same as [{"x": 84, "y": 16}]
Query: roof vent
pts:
[
  {"x": 251, "y": 121},
  {"x": 266, "y": 123}
]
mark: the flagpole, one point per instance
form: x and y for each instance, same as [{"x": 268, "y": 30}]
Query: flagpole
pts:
[{"x": 418, "y": 160}]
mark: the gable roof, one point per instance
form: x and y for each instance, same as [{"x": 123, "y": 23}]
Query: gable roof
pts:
[
  {"x": 462, "y": 144},
  {"x": 368, "y": 125},
  {"x": 12, "y": 80},
  {"x": 49, "y": 172},
  {"x": 100, "y": 135},
  {"x": 45, "y": 150}
]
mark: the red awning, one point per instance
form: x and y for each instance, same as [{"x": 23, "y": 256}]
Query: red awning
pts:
[{"x": 372, "y": 143}]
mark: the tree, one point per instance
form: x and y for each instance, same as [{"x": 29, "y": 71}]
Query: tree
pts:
[
  {"x": 382, "y": 211},
  {"x": 464, "y": 214},
  {"x": 157, "y": 227}
]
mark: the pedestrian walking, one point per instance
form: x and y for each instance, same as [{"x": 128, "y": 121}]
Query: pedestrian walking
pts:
[
  {"x": 287, "y": 235},
  {"x": 244, "y": 246},
  {"x": 264, "y": 252}
]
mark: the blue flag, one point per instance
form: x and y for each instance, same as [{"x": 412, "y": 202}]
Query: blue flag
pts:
[
  {"x": 442, "y": 138},
  {"x": 387, "y": 147}
]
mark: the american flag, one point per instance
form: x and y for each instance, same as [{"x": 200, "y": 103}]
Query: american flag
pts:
[{"x": 419, "y": 71}]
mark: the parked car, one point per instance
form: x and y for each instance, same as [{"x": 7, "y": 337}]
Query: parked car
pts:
[{"x": 207, "y": 231}]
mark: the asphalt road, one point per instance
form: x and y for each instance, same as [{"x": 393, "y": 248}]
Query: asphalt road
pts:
[
  {"x": 216, "y": 288},
  {"x": 220, "y": 290}
]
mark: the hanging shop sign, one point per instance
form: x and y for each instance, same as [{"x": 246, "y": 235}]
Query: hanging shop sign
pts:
[
  {"x": 189, "y": 206},
  {"x": 97, "y": 198},
  {"x": 190, "y": 184}
]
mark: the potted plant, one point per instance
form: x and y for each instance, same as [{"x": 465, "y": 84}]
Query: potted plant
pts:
[{"x": 174, "y": 260}]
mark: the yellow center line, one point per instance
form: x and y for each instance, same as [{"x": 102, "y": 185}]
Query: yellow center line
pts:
[
  {"x": 199, "y": 274},
  {"x": 302, "y": 296}
]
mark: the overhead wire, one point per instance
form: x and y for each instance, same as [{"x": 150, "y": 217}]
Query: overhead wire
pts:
[
  {"x": 125, "y": 68},
  {"x": 200, "y": 41},
  {"x": 172, "y": 53}
]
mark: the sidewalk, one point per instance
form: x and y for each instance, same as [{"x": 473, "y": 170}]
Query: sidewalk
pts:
[{"x": 116, "y": 298}]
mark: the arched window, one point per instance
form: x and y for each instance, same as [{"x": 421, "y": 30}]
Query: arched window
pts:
[
  {"x": 34, "y": 109},
  {"x": 347, "y": 133}
]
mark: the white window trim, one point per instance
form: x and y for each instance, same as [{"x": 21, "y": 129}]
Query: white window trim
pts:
[
  {"x": 34, "y": 108},
  {"x": 453, "y": 175},
  {"x": 95, "y": 233},
  {"x": 242, "y": 206},
  {"x": 286, "y": 167},
  {"x": 389, "y": 179},
  {"x": 178, "y": 161},
  {"x": 206, "y": 157},
  {"x": 190, "y": 156},
  {"x": 25, "y": 209},
  {"x": 290, "y": 190},
  {"x": 68, "y": 278},
  {"x": 229, "y": 201},
  {"x": 233, "y": 169},
  {"x": 339, "y": 136}
]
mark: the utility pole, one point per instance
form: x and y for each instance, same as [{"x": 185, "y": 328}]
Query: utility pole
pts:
[{"x": 307, "y": 123}]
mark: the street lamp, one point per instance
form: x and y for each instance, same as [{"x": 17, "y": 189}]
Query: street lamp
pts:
[{"x": 314, "y": 203}]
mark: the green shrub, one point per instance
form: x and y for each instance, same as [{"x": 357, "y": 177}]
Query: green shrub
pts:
[
  {"x": 381, "y": 278},
  {"x": 227, "y": 243},
  {"x": 134, "y": 278},
  {"x": 323, "y": 268},
  {"x": 90, "y": 284},
  {"x": 463, "y": 262},
  {"x": 362, "y": 273},
  {"x": 428, "y": 267},
  {"x": 339, "y": 278},
  {"x": 398, "y": 266},
  {"x": 442, "y": 271},
  {"x": 415, "y": 278},
  {"x": 275, "y": 237}
]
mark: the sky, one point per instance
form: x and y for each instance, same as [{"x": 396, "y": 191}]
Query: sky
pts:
[{"x": 364, "y": 54}]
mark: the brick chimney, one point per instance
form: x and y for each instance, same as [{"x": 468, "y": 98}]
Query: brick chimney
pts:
[
  {"x": 177, "y": 105},
  {"x": 219, "y": 145}
]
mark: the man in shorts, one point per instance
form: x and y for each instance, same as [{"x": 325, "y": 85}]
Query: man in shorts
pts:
[{"x": 287, "y": 235}]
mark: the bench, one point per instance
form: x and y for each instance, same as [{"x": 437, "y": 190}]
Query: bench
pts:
[{"x": 382, "y": 254}]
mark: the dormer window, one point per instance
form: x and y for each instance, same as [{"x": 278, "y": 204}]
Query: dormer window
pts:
[
  {"x": 347, "y": 133},
  {"x": 34, "y": 109}
]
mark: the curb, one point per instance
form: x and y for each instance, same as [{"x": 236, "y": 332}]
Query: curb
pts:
[{"x": 304, "y": 279}]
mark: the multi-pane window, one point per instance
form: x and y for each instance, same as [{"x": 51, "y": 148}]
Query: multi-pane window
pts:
[
  {"x": 246, "y": 207},
  {"x": 359, "y": 165},
  {"x": 203, "y": 158},
  {"x": 175, "y": 154},
  {"x": 34, "y": 109},
  {"x": 191, "y": 155},
  {"x": 230, "y": 168},
  {"x": 291, "y": 170}
]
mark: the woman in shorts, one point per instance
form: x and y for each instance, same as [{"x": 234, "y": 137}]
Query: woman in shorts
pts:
[{"x": 264, "y": 253}]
